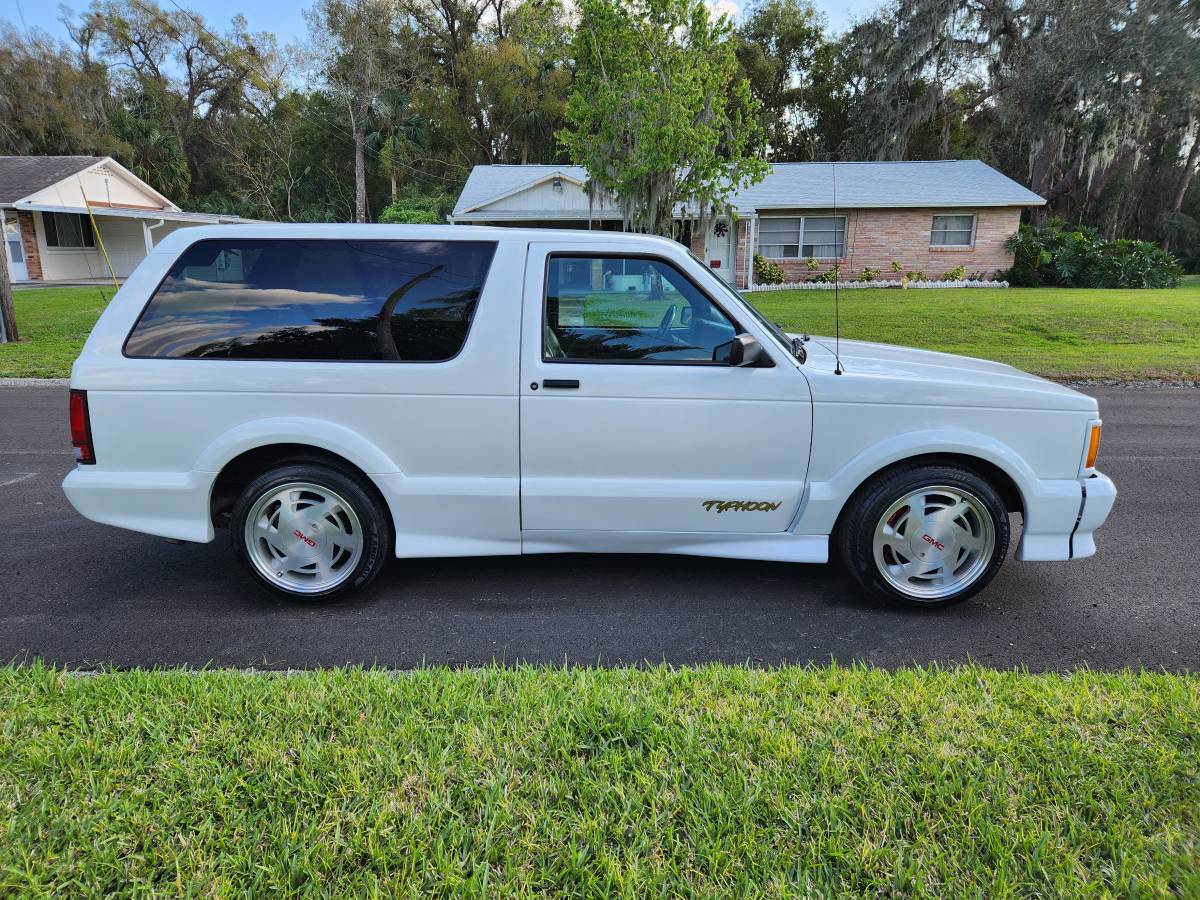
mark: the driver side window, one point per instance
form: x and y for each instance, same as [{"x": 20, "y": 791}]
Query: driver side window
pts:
[{"x": 628, "y": 309}]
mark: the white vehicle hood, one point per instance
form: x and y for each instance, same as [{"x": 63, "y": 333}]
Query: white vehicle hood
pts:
[{"x": 886, "y": 373}]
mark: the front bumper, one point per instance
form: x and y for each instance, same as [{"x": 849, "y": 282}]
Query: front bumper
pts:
[
  {"x": 1060, "y": 516},
  {"x": 1099, "y": 493}
]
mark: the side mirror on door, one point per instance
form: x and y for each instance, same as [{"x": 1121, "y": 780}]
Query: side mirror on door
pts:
[{"x": 743, "y": 350}]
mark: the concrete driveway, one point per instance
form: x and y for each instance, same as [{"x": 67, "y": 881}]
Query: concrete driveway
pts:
[{"x": 80, "y": 594}]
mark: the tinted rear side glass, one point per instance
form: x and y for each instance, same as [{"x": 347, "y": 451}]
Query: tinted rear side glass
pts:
[{"x": 315, "y": 300}]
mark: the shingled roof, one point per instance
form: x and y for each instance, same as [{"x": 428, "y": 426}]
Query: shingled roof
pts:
[
  {"x": 21, "y": 176},
  {"x": 859, "y": 185}
]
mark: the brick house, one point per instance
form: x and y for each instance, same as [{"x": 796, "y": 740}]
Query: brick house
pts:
[
  {"x": 928, "y": 217},
  {"x": 48, "y": 205}
]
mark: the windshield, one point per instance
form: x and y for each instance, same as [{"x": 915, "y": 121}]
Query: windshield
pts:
[{"x": 770, "y": 327}]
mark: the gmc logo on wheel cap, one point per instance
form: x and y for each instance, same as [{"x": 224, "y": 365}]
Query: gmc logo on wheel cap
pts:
[
  {"x": 304, "y": 537},
  {"x": 935, "y": 543}
]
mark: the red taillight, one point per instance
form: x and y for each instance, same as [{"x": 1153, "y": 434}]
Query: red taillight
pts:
[{"x": 81, "y": 428}]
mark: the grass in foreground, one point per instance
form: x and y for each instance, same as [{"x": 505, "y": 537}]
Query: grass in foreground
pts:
[
  {"x": 1055, "y": 332},
  {"x": 714, "y": 781}
]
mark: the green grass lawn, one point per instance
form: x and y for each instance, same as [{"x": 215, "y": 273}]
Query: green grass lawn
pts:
[
  {"x": 1056, "y": 332},
  {"x": 54, "y": 323},
  {"x": 710, "y": 781},
  {"x": 1060, "y": 333}
]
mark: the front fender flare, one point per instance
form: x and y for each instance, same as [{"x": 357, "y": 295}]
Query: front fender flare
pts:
[{"x": 827, "y": 498}]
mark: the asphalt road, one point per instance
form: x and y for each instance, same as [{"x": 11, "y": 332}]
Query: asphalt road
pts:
[{"x": 80, "y": 594}]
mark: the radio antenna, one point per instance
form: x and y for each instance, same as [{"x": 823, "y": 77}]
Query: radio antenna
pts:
[{"x": 837, "y": 312}]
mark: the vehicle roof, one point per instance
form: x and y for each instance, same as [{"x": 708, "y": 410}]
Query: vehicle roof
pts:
[{"x": 183, "y": 237}]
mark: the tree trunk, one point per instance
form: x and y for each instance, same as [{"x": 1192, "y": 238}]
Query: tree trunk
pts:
[
  {"x": 360, "y": 170},
  {"x": 393, "y": 184},
  {"x": 8, "y": 319},
  {"x": 1189, "y": 170}
]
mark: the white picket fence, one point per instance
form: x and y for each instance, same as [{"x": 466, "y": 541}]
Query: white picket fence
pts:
[{"x": 918, "y": 285}]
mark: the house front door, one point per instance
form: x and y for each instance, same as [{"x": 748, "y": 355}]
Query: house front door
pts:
[
  {"x": 718, "y": 249},
  {"x": 17, "y": 270}
]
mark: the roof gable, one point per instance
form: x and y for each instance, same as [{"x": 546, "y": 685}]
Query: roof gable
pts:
[
  {"x": 76, "y": 182},
  {"x": 21, "y": 176},
  {"x": 487, "y": 185}
]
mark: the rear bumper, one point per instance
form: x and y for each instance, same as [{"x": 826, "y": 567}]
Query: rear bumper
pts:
[{"x": 167, "y": 504}]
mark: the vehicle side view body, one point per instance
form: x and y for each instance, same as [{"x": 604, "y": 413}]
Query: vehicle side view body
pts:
[{"x": 337, "y": 394}]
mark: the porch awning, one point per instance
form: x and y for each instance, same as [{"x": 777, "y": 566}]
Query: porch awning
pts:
[{"x": 119, "y": 212}]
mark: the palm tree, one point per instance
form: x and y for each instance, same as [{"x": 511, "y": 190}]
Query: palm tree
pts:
[
  {"x": 155, "y": 155},
  {"x": 398, "y": 131}
]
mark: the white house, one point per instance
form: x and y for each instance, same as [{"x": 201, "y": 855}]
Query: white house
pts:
[
  {"x": 48, "y": 204},
  {"x": 886, "y": 217}
]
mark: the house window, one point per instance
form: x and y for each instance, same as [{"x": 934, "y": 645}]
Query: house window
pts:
[
  {"x": 823, "y": 237},
  {"x": 68, "y": 230},
  {"x": 952, "y": 231}
]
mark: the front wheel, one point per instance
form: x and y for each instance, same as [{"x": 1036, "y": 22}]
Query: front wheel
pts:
[
  {"x": 310, "y": 531},
  {"x": 928, "y": 535}
]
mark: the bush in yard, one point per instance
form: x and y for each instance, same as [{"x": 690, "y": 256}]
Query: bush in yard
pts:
[
  {"x": 812, "y": 264},
  {"x": 829, "y": 276},
  {"x": 896, "y": 267},
  {"x": 1059, "y": 254},
  {"x": 767, "y": 272},
  {"x": 403, "y": 213},
  {"x": 869, "y": 274},
  {"x": 417, "y": 209},
  {"x": 914, "y": 275},
  {"x": 958, "y": 273}
]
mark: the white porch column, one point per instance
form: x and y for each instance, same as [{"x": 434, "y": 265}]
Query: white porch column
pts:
[{"x": 751, "y": 228}]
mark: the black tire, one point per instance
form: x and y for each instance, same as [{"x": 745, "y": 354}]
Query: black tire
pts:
[
  {"x": 373, "y": 519},
  {"x": 865, "y": 510}
]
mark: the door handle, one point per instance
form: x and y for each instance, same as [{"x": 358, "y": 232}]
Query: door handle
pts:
[{"x": 570, "y": 383}]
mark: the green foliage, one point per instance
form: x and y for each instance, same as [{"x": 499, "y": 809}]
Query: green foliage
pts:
[
  {"x": 789, "y": 64},
  {"x": 1091, "y": 104},
  {"x": 767, "y": 272},
  {"x": 154, "y": 155},
  {"x": 958, "y": 273},
  {"x": 399, "y": 214},
  {"x": 896, "y": 266},
  {"x": 708, "y": 781},
  {"x": 417, "y": 209},
  {"x": 812, "y": 264},
  {"x": 830, "y": 275},
  {"x": 1057, "y": 253},
  {"x": 869, "y": 274},
  {"x": 660, "y": 114},
  {"x": 915, "y": 275}
]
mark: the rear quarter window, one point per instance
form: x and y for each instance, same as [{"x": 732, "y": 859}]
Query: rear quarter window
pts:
[{"x": 398, "y": 301}]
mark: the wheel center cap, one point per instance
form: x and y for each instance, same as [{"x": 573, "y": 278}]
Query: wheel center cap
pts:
[
  {"x": 928, "y": 546},
  {"x": 306, "y": 541}
]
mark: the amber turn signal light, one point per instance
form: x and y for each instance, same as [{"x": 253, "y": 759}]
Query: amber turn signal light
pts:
[{"x": 1093, "y": 447}]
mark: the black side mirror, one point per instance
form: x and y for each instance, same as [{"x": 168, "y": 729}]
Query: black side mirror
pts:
[{"x": 743, "y": 350}]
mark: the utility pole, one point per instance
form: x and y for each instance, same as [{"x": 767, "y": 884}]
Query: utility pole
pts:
[{"x": 8, "y": 319}]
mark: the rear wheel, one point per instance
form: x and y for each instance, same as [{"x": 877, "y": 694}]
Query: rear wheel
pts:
[
  {"x": 310, "y": 531},
  {"x": 925, "y": 535}
]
